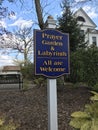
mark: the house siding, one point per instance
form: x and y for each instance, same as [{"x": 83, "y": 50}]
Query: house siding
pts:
[{"x": 88, "y": 26}]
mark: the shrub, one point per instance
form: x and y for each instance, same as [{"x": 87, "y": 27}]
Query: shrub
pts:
[
  {"x": 40, "y": 81},
  {"x": 95, "y": 87},
  {"x": 84, "y": 66},
  {"x": 87, "y": 119},
  {"x": 25, "y": 84},
  {"x": 28, "y": 71},
  {"x": 9, "y": 126},
  {"x": 60, "y": 83},
  {"x": 90, "y": 61}
]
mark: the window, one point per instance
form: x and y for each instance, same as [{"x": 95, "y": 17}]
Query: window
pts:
[
  {"x": 80, "y": 18},
  {"x": 82, "y": 32},
  {"x": 94, "y": 40}
]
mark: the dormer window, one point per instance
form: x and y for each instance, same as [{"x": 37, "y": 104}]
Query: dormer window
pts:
[{"x": 80, "y": 18}]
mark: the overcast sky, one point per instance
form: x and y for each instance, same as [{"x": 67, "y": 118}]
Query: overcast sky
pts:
[{"x": 23, "y": 16}]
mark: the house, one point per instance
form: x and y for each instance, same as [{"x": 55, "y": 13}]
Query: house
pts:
[
  {"x": 88, "y": 27},
  {"x": 10, "y": 75},
  {"x": 10, "y": 70}
]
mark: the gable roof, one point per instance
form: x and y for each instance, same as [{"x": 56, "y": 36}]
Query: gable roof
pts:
[{"x": 84, "y": 13}]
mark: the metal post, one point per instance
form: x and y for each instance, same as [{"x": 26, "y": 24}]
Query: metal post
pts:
[{"x": 52, "y": 104}]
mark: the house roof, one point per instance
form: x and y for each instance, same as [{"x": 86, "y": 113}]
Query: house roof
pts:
[
  {"x": 84, "y": 13},
  {"x": 11, "y": 68}
]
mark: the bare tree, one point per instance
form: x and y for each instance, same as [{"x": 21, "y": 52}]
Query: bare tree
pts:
[
  {"x": 24, "y": 43},
  {"x": 19, "y": 42}
]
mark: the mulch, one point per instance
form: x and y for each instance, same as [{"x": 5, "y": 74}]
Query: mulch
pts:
[{"x": 28, "y": 108}]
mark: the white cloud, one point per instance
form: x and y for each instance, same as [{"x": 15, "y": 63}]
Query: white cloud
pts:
[
  {"x": 79, "y": 0},
  {"x": 3, "y": 24},
  {"x": 27, "y": 11},
  {"x": 21, "y": 23},
  {"x": 90, "y": 11},
  {"x": 6, "y": 60}
]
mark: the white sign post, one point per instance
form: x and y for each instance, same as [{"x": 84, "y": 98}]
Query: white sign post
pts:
[
  {"x": 52, "y": 104},
  {"x": 51, "y": 60},
  {"x": 52, "y": 91}
]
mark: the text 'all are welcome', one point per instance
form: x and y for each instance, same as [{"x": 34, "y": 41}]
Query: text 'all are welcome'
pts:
[{"x": 51, "y": 53}]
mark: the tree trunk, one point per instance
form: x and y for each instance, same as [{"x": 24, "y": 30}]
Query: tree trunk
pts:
[
  {"x": 25, "y": 55},
  {"x": 39, "y": 14}
]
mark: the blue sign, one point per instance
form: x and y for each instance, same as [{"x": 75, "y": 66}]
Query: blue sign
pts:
[{"x": 51, "y": 53}]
